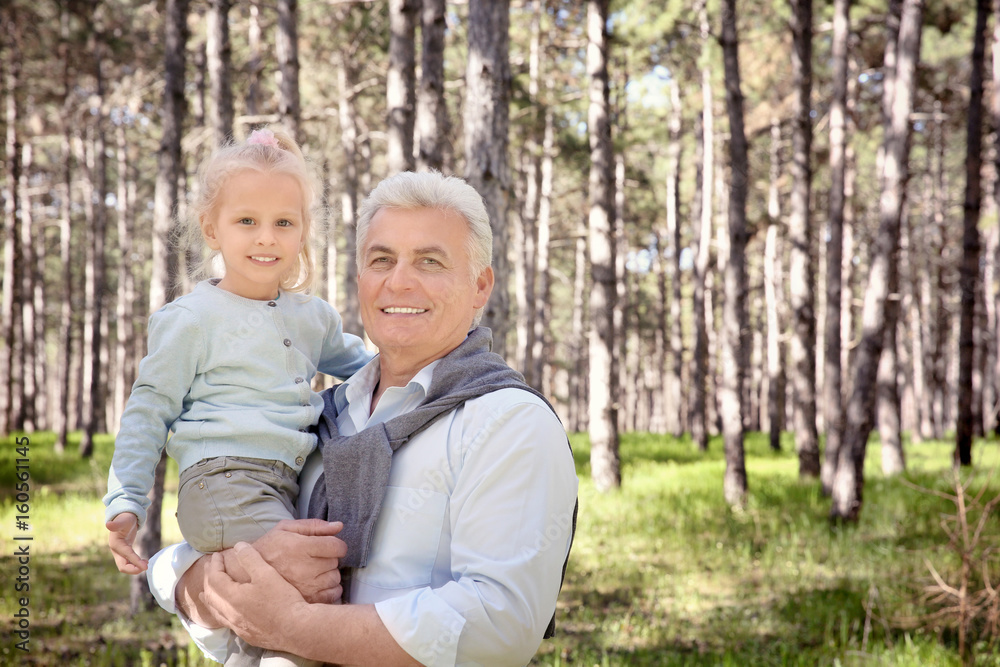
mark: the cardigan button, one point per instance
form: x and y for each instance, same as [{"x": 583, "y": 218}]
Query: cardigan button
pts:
[
  {"x": 299, "y": 461},
  {"x": 287, "y": 342},
  {"x": 299, "y": 380},
  {"x": 272, "y": 303}
]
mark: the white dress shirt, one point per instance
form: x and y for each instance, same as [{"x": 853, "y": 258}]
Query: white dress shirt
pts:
[{"x": 468, "y": 549}]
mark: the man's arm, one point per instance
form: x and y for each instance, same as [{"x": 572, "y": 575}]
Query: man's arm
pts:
[
  {"x": 305, "y": 552},
  {"x": 342, "y": 634}
]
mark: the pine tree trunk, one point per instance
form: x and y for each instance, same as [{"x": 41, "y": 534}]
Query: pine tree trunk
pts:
[
  {"x": 11, "y": 416},
  {"x": 773, "y": 297},
  {"x": 487, "y": 103},
  {"x": 801, "y": 278},
  {"x": 674, "y": 407},
  {"x": 543, "y": 305},
  {"x": 124, "y": 313},
  {"x": 65, "y": 344},
  {"x": 604, "y": 458},
  {"x": 969, "y": 267},
  {"x": 577, "y": 386},
  {"x": 995, "y": 255},
  {"x": 255, "y": 64},
  {"x": 162, "y": 287},
  {"x": 29, "y": 375},
  {"x": 848, "y": 481},
  {"x": 349, "y": 195},
  {"x": 699, "y": 417},
  {"x": 401, "y": 84},
  {"x": 218, "y": 57},
  {"x": 286, "y": 43},
  {"x": 96, "y": 274},
  {"x": 525, "y": 231},
  {"x": 627, "y": 386},
  {"x": 433, "y": 127},
  {"x": 735, "y": 350},
  {"x": 833, "y": 393}
]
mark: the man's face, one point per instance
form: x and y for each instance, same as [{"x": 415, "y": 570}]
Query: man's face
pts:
[{"x": 418, "y": 295}]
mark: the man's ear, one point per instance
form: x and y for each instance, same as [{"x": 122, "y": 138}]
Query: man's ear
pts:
[{"x": 484, "y": 286}]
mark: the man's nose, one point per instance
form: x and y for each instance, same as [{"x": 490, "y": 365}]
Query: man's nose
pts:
[{"x": 401, "y": 277}]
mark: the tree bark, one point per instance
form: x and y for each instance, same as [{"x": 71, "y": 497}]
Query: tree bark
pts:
[
  {"x": 218, "y": 58},
  {"x": 96, "y": 270},
  {"x": 350, "y": 186},
  {"x": 401, "y": 84},
  {"x": 699, "y": 417},
  {"x": 29, "y": 375},
  {"x": 433, "y": 127},
  {"x": 848, "y": 483},
  {"x": 12, "y": 417},
  {"x": 604, "y": 458},
  {"x": 577, "y": 386},
  {"x": 735, "y": 350},
  {"x": 543, "y": 305},
  {"x": 673, "y": 395},
  {"x": 125, "y": 330},
  {"x": 773, "y": 298},
  {"x": 286, "y": 44},
  {"x": 255, "y": 64},
  {"x": 163, "y": 282},
  {"x": 65, "y": 345},
  {"x": 969, "y": 267},
  {"x": 486, "y": 127},
  {"x": 833, "y": 393},
  {"x": 995, "y": 111},
  {"x": 801, "y": 278}
]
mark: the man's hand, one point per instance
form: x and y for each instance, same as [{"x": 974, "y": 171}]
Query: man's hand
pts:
[
  {"x": 240, "y": 605},
  {"x": 307, "y": 553},
  {"x": 123, "y": 531}
]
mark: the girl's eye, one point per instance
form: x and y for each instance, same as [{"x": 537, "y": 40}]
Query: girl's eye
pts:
[
  {"x": 284, "y": 223},
  {"x": 245, "y": 221}
]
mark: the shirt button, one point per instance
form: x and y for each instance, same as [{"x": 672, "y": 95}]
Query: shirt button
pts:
[
  {"x": 299, "y": 380},
  {"x": 299, "y": 461},
  {"x": 272, "y": 303},
  {"x": 287, "y": 342},
  {"x": 229, "y": 474}
]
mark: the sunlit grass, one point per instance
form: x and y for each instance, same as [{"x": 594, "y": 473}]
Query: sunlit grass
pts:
[{"x": 662, "y": 572}]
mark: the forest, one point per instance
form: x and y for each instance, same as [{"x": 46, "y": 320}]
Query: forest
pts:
[
  {"x": 709, "y": 222},
  {"x": 741, "y": 231},
  {"x": 712, "y": 219}
]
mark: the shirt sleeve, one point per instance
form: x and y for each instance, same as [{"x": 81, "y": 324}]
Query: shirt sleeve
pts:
[
  {"x": 166, "y": 568},
  {"x": 511, "y": 514},
  {"x": 157, "y": 400}
]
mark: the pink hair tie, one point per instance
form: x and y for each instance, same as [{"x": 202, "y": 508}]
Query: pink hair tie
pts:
[{"x": 263, "y": 137}]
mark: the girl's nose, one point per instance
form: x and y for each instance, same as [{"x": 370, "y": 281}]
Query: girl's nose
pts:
[{"x": 265, "y": 236}]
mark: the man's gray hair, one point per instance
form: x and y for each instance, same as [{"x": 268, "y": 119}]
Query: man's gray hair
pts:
[{"x": 431, "y": 189}]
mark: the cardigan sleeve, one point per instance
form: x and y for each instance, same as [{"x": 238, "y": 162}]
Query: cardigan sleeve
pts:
[{"x": 165, "y": 376}]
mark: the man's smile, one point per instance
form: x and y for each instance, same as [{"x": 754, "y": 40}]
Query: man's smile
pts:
[{"x": 397, "y": 310}]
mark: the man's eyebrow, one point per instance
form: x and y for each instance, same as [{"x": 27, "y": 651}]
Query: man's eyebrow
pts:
[{"x": 426, "y": 250}]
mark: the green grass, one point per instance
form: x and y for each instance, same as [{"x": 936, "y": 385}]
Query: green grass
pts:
[{"x": 662, "y": 573}]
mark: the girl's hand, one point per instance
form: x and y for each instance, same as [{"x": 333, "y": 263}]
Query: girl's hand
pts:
[{"x": 123, "y": 530}]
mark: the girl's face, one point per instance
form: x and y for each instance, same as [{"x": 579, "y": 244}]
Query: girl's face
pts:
[{"x": 259, "y": 227}]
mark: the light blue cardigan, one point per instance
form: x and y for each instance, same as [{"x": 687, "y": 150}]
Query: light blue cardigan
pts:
[{"x": 230, "y": 377}]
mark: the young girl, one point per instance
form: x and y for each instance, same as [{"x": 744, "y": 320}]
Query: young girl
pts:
[{"x": 229, "y": 366}]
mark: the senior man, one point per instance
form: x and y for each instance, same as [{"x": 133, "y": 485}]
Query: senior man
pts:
[{"x": 453, "y": 478}]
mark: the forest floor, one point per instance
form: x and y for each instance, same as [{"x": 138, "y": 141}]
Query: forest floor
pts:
[{"x": 662, "y": 572}]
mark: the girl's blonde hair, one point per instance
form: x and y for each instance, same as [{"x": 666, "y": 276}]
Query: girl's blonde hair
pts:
[{"x": 265, "y": 151}]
